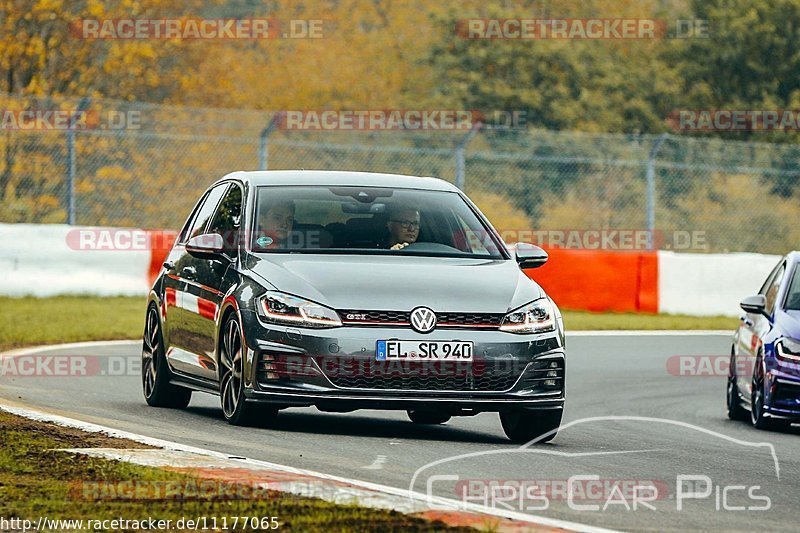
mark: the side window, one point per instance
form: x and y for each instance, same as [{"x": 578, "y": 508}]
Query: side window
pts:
[
  {"x": 772, "y": 291},
  {"x": 768, "y": 282},
  {"x": 204, "y": 212},
  {"x": 227, "y": 217}
]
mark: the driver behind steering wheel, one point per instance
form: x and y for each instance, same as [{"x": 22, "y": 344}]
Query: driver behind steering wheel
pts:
[{"x": 403, "y": 225}]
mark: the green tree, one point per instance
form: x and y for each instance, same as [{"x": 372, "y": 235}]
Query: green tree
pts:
[{"x": 591, "y": 85}]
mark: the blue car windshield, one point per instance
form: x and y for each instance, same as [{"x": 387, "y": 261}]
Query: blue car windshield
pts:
[
  {"x": 793, "y": 295},
  {"x": 369, "y": 220}
]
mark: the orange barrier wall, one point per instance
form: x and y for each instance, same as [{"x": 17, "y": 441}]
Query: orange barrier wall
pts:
[
  {"x": 600, "y": 280},
  {"x": 160, "y": 244}
]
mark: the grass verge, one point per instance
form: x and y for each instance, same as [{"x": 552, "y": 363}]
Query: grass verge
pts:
[
  {"x": 32, "y": 321},
  {"x": 38, "y": 480},
  {"x": 584, "y": 320}
]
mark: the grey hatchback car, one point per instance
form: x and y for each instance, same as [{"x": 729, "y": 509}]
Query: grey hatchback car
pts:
[{"x": 352, "y": 290}]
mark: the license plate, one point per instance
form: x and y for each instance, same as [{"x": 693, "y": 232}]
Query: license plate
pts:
[{"x": 424, "y": 350}]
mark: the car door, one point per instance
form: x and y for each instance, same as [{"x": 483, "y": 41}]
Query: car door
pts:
[
  {"x": 181, "y": 291},
  {"x": 213, "y": 277},
  {"x": 754, "y": 327}
]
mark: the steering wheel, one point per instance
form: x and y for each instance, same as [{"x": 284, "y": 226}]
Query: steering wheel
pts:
[{"x": 429, "y": 247}]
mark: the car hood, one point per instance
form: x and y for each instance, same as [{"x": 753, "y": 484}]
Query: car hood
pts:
[{"x": 398, "y": 283}]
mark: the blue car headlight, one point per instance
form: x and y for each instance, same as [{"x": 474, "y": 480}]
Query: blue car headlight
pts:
[
  {"x": 535, "y": 317},
  {"x": 283, "y": 308},
  {"x": 788, "y": 350}
]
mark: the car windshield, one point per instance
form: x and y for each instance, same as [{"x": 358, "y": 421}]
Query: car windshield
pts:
[
  {"x": 369, "y": 220},
  {"x": 793, "y": 296}
]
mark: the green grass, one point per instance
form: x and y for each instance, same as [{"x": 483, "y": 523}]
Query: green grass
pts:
[
  {"x": 36, "y": 480},
  {"x": 32, "y": 321},
  {"x": 583, "y": 320}
]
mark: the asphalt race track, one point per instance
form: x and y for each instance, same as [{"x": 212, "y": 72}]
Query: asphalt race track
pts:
[{"x": 607, "y": 376}]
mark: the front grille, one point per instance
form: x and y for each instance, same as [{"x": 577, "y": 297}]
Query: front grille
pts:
[
  {"x": 469, "y": 319},
  {"x": 787, "y": 393},
  {"x": 424, "y": 375},
  {"x": 402, "y": 319}
]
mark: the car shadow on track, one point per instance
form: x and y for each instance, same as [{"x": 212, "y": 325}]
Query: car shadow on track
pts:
[{"x": 363, "y": 426}]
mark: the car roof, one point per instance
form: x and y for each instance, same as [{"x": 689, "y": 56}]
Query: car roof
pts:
[{"x": 339, "y": 178}]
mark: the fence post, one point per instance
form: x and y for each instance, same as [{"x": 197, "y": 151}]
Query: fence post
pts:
[
  {"x": 651, "y": 189},
  {"x": 71, "y": 162},
  {"x": 263, "y": 146},
  {"x": 460, "y": 152}
]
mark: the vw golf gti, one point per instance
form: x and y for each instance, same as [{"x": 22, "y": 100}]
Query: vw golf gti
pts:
[{"x": 350, "y": 290}]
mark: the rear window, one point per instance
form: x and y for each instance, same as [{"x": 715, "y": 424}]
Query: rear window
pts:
[{"x": 369, "y": 220}]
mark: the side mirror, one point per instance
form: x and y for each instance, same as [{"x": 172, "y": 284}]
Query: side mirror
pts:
[
  {"x": 756, "y": 305},
  {"x": 529, "y": 255},
  {"x": 208, "y": 245}
]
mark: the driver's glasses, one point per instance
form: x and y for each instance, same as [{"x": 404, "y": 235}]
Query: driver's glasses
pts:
[{"x": 407, "y": 224}]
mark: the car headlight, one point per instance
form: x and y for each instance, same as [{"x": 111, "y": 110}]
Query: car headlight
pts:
[
  {"x": 535, "y": 317},
  {"x": 788, "y": 350},
  {"x": 287, "y": 309}
]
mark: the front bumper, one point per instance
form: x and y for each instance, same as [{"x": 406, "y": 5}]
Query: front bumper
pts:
[
  {"x": 336, "y": 370},
  {"x": 783, "y": 399}
]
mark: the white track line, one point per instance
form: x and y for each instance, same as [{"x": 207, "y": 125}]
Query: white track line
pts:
[
  {"x": 67, "y": 345},
  {"x": 650, "y": 333}
]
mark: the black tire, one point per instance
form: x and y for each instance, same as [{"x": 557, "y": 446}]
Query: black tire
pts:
[
  {"x": 757, "y": 418},
  {"x": 158, "y": 391},
  {"x": 426, "y": 416},
  {"x": 734, "y": 403},
  {"x": 524, "y": 426},
  {"x": 236, "y": 410}
]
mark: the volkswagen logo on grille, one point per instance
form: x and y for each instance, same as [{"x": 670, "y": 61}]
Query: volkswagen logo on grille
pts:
[{"x": 423, "y": 319}]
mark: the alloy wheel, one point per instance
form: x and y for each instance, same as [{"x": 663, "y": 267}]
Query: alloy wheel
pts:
[
  {"x": 231, "y": 360},
  {"x": 150, "y": 351}
]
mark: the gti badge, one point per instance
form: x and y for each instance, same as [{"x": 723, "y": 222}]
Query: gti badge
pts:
[{"x": 423, "y": 319}]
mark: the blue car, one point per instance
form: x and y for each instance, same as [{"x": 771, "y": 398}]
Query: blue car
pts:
[{"x": 764, "y": 376}]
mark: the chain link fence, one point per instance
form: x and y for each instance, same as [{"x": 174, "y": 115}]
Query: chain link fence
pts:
[{"x": 111, "y": 163}]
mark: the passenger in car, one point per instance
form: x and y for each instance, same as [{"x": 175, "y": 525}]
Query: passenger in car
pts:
[
  {"x": 403, "y": 225},
  {"x": 275, "y": 225}
]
